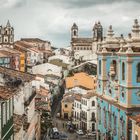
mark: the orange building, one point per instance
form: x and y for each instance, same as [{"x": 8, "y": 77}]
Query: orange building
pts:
[{"x": 81, "y": 80}]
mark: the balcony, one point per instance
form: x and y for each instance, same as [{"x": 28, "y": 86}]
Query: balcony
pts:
[
  {"x": 83, "y": 118},
  {"x": 26, "y": 103}
]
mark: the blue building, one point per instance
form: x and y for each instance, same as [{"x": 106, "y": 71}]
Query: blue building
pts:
[{"x": 118, "y": 84}]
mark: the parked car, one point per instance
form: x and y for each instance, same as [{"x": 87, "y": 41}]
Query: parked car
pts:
[
  {"x": 80, "y": 132},
  {"x": 54, "y": 133},
  {"x": 63, "y": 136},
  {"x": 91, "y": 134}
]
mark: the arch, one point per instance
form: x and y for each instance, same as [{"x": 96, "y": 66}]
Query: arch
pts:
[
  {"x": 74, "y": 33},
  {"x": 93, "y": 103},
  {"x": 138, "y": 72},
  {"x": 123, "y": 71},
  {"x": 115, "y": 65},
  {"x": 99, "y": 67}
]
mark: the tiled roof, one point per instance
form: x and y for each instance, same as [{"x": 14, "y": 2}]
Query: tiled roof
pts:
[
  {"x": 6, "y": 93},
  {"x": 18, "y": 122},
  {"x": 4, "y": 55},
  {"x": 23, "y": 44},
  {"x": 80, "y": 80},
  {"x": 69, "y": 99},
  {"x": 89, "y": 95},
  {"x": 18, "y": 74},
  {"x": 34, "y": 40},
  {"x": 78, "y": 97},
  {"x": 9, "y": 52},
  {"x": 82, "y": 40}
]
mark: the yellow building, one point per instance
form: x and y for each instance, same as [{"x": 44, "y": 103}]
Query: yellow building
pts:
[
  {"x": 66, "y": 107},
  {"x": 135, "y": 127},
  {"x": 22, "y": 62},
  {"x": 81, "y": 80}
]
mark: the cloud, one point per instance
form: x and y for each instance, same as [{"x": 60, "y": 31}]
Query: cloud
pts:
[
  {"x": 52, "y": 19},
  {"x": 12, "y": 3}
]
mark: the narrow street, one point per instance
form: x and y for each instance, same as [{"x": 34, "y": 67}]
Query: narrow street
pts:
[{"x": 61, "y": 124}]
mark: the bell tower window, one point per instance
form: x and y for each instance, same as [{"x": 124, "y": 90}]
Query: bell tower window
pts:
[
  {"x": 138, "y": 72},
  {"x": 123, "y": 71},
  {"x": 74, "y": 32}
]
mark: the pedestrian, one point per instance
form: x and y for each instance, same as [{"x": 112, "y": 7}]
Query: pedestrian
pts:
[{"x": 56, "y": 124}]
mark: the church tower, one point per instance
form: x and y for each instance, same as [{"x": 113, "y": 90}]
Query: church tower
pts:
[
  {"x": 98, "y": 32},
  {"x": 74, "y": 31},
  {"x": 7, "y": 35}
]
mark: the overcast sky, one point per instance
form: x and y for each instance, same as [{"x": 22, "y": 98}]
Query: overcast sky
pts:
[{"x": 52, "y": 19}]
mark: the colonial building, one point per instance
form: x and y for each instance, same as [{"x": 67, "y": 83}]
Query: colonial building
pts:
[
  {"x": 84, "y": 112},
  {"x": 6, "y": 113},
  {"x": 6, "y": 36},
  {"x": 13, "y": 58},
  {"x": 26, "y": 119},
  {"x": 118, "y": 84},
  {"x": 84, "y": 48},
  {"x": 66, "y": 106}
]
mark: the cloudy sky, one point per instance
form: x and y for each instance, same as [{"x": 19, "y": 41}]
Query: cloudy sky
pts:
[{"x": 52, "y": 19}]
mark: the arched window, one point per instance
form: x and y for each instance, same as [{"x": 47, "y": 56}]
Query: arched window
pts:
[
  {"x": 138, "y": 72},
  {"x": 123, "y": 71},
  {"x": 93, "y": 103},
  {"x": 93, "y": 116},
  {"x": 74, "y": 32},
  {"x": 99, "y": 67},
  {"x": 115, "y": 66},
  {"x": 6, "y": 32}
]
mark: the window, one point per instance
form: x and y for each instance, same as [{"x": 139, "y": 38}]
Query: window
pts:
[
  {"x": 74, "y": 33},
  {"x": 99, "y": 114},
  {"x": 6, "y": 32},
  {"x": 115, "y": 123},
  {"x": 93, "y": 116},
  {"x": 104, "y": 117},
  {"x": 66, "y": 105},
  {"x": 8, "y": 110},
  {"x": 123, "y": 71},
  {"x": 99, "y": 67},
  {"x": 136, "y": 137},
  {"x": 77, "y": 105},
  {"x": 11, "y": 107},
  {"x": 4, "y": 113},
  {"x": 115, "y": 66},
  {"x": 5, "y": 40},
  {"x": 93, "y": 103},
  {"x": 138, "y": 72},
  {"x": 122, "y": 94}
]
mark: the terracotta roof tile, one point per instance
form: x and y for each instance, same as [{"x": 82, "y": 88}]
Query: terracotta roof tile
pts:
[
  {"x": 6, "y": 93},
  {"x": 80, "y": 80},
  {"x": 18, "y": 74}
]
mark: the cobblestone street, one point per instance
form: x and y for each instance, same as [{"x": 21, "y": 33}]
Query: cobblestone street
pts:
[{"x": 61, "y": 125}]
